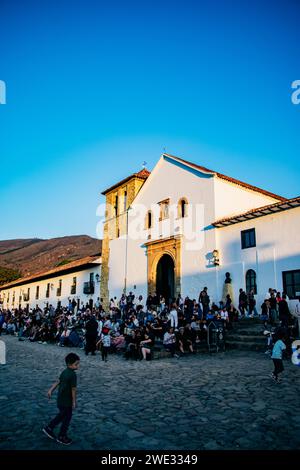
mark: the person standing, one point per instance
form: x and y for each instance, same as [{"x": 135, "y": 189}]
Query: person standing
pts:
[
  {"x": 273, "y": 309},
  {"x": 91, "y": 335},
  {"x": 74, "y": 305},
  {"x": 278, "y": 349},
  {"x": 252, "y": 304},
  {"x": 66, "y": 400},
  {"x": 284, "y": 312},
  {"x": 173, "y": 317},
  {"x": 130, "y": 300},
  {"x": 105, "y": 343},
  {"x": 243, "y": 302},
  {"x": 204, "y": 300}
]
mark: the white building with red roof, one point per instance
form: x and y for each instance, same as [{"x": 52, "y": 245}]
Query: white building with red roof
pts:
[
  {"x": 188, "y": 225},
  {"x": 78, "y": 280}
]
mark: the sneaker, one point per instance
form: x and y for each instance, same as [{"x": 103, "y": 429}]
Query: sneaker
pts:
[
  {"x": 177, "y": 356},
  {"x": 48, "y": 431},
  {"x": 64, "y": 440},
  {"x": 275, "y": 378}
]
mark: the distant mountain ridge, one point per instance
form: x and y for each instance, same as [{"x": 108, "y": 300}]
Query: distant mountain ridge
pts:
[{"x": 24, "y": 257}]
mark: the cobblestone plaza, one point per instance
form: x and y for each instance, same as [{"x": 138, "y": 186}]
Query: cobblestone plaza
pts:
[{"x": 223, "y": 401}]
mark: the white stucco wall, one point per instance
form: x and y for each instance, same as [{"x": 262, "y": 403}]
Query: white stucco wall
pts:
[
  {"x": 231, "y": 199},
  {"x": 277, "y": 250},
  {"x": 67, "y": 281}
]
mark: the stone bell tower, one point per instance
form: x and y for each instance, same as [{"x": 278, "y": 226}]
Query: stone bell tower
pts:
[{"x": 119, "y": 197}]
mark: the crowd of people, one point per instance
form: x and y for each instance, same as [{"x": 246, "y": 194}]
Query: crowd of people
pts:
[{"x": 133, "y": 326}]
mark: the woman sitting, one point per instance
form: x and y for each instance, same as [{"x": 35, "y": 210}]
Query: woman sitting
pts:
[{"x": 147, "y": 343}]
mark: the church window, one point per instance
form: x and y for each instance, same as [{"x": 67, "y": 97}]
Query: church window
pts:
[
  {"x": 291, "y": 283},
  {"x": 182, "y": 207},
  {"x": 248, "y": 238},
  {"x": 48, "y": 290},
  {"x": 116, "y": 205},
  {"x": 58, "y": 290},
  {"x": 251, "y": 281},
  {"x": 149, "y": 220}
]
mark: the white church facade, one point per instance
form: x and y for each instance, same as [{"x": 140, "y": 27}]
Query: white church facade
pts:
[{"x": 182, "y": 227}]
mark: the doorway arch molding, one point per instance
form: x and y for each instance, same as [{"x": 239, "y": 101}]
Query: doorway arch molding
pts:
[{"x": 155, "y": 251}]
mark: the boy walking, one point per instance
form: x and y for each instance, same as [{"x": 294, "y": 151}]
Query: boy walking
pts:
[
  {"x": 66, "y": 400},
  {"x": 278, "y": 349}
]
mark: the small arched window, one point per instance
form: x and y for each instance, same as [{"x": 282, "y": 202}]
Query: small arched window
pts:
[
  {"x": 149, "y": 220},
  {"x": 182, "y": 207},
  {"x": 251, "y": 281}
]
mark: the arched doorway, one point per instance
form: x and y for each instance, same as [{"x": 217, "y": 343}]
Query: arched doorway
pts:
[{"x": 165, "y": 284}]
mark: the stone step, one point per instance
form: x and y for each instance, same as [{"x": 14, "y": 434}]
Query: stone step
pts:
[
  {"x": 250, "y": 332},
  {"x": 245, "y": 346},
  {"x": 249, "y": 321},
  {"x": 159, "y": 351},
  {"x": 246, "y": 338},
  {"x": 249, "y": 325}
]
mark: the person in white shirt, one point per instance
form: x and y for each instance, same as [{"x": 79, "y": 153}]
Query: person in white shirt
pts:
[
  {"x": 100, "y": 326},
  {"x": 106, "y": 342},
  {"x": 224, "y": 315},
  {"x": 169, "y": 342},
  {"x": 173, "y": 316}
]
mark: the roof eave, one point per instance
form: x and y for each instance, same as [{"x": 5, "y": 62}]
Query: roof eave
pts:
[{"x": 122, "y": 182}]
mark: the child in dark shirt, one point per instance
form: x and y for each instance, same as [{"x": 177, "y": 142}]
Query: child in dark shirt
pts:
[{"x": 66, "y": 400}]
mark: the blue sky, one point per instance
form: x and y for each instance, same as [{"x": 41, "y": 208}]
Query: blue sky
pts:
[{"x": 95, "y": 88}]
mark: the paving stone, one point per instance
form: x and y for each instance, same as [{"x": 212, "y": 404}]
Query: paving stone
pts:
[
  {"x": 132, "y": 434},
  {"x": 211, "y": 445},
  {"x": 122, "y": 420},
  {"x": 223, "y": 401}
]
